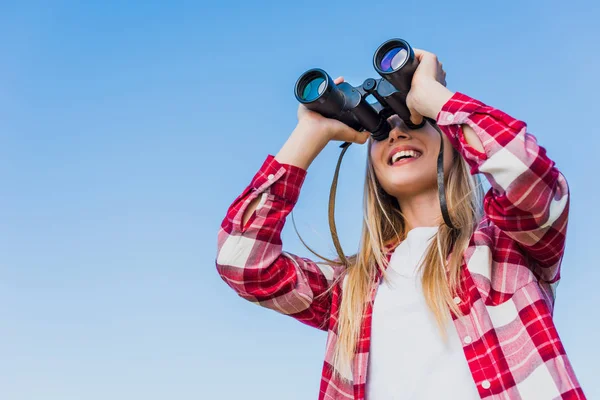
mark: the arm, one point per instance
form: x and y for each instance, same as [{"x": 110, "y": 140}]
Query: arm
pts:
[
  {"x": 296, "y": 152},
  {"x": 250, "y": 257},
  {"x": 529, "y": 198}
]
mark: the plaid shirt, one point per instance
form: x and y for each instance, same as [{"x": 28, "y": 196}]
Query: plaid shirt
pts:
[{"x": 510, "y": 271}]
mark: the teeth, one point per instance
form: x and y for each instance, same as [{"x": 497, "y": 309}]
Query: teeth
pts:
[{"x": 405, "y": 153}]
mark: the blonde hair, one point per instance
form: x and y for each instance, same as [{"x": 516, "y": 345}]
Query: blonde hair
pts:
[{"x": 384, "y": 225}]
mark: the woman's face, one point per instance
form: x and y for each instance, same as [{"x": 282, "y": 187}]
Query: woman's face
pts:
[{"x": 406, "y": 162}]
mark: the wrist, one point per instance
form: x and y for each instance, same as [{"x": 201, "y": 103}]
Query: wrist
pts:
[
  {"x": 310, "y": 136},
  {"x": 302, "y": 146},
  {"x": 436, "y": 95}
]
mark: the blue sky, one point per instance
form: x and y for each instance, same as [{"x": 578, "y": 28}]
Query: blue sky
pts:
[{"x": 128, "y": 129}]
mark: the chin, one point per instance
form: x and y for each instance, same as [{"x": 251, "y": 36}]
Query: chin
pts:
[
  {"x": 404, "y": 182},
  {"x": 404, "y": 187}
]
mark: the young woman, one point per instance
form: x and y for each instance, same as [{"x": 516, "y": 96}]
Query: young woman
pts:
[{"x": 422, "y": 311}]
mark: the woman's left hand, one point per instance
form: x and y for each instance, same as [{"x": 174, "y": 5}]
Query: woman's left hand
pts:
[{"x": 428, "y": 91}]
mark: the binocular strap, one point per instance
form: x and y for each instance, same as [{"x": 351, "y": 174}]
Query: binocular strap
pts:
[
  {"x": 332, "y": 193},
  {"x": 331, "y": 213},
  {"x": 440, "y": 178}
]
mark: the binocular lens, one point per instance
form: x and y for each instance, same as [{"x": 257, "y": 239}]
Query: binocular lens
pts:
[
  {"x": 393, "y": 59},
  {"x": 314, "y": 89},
  {"x": 317, "y": 91}
]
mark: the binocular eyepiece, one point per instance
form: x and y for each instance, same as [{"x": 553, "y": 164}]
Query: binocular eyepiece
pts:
[{"x": 395, "y": 62}]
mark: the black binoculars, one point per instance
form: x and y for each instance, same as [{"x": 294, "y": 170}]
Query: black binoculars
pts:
[{"x": 395, "y": 62}]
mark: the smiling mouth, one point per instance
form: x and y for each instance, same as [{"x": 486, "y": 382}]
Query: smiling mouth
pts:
[{"x": 404, "y": 156}]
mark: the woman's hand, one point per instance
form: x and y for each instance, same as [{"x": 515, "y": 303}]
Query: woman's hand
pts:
[
  {"x": 312, "y": 134},
  {"x": 428, "y": 91},
  {"x": 327, "y": 128}
]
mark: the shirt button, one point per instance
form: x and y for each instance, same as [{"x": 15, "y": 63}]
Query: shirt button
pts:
[
  {"x": 270, "y": 177},
  {"x": 457, "y": 300},
  {"x": 449, "y": 117},
  {"x": 485, "y": 384},
  {"x": 467, "y": 339}
]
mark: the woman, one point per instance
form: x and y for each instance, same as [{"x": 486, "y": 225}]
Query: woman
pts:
[{"x": 422, "y": 311}]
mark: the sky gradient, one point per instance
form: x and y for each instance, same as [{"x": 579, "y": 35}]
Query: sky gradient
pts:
[{"x": 128, "y": 129}]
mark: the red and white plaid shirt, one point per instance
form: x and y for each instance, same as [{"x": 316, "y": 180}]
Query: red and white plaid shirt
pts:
[{"x": 509, "y": 276}]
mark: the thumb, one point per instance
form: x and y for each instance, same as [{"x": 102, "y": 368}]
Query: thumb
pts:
[
  {"x": 415, "y": 117},
  {"x": 347, "y": 134}
]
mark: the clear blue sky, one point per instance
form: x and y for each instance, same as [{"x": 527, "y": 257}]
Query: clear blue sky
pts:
[{"x": 126, "y": 130}]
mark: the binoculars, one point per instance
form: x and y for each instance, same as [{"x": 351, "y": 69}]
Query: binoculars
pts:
[{"x": 395, "y": 62}]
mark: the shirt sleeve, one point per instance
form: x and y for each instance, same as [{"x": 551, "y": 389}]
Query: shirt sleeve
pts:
[
  {"x": 529, "y": 197},
  {"x": 250, "y": 258}
]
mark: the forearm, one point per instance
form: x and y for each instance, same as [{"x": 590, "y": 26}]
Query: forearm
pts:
[
  {"x": 471, "y": 138},
  {"x": 251, "y": 260},
  {"x": 297, "y": 151},
  {"x": 437, "y": 96},
  {"x": 301, "y": 148},
  {"x": 529, "y": 199},
  {"x": 250, "y": 210}
]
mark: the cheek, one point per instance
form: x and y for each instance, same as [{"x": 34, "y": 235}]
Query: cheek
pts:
[
  {"x": 378, "y": 168},
  {"x": 376, "y": 156},
  {"x": 449, "y": 155}
]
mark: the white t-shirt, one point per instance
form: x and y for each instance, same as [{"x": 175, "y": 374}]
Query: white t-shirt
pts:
[{"x": 408, "y": 357}]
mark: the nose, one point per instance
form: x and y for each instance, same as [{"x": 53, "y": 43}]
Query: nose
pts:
[{"x": 398, "y": 133}]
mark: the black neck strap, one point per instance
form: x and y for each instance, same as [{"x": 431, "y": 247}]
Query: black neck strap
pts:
[
  {"x": 440, "y": 177},
  {"x": 441, "y": 192}
]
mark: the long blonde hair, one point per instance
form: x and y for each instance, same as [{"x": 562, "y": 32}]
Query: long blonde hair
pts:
[{"x": 384, "y": 225}]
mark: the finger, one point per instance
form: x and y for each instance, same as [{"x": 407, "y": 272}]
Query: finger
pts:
[
  {"x": 352, "y": 135},
  {"x": 426, "y": 57},
  {"x": 415, "y": 117},
  {"x": 338, "y": 80},
  {"x": 361, "y": 137},
  {"x": 420, "y": 54}
]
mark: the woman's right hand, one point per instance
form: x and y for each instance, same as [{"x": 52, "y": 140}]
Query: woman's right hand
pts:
[
  {"x": 329, "y": 128},
  {"x": 312, "y": 134}
]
